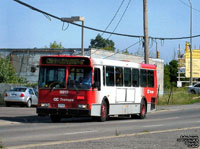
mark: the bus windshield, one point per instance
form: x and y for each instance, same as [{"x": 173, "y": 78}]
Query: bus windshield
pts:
[
  {"x": 52, "y": 77},
  {"x": 79, "y": 78}
]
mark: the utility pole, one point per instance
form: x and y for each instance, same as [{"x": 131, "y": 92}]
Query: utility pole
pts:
[
  {"x": 191, "y": 79},
  {"x": 146, "y": 37},
  {"x": 179, "y": 62},
  {"x": 82, "y": 38}
]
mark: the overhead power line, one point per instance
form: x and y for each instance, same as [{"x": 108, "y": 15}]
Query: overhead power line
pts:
[
  {"x": 58, "y": 18},
  {"x": 124, "y": 49},
  {"x": 114, "y": 16},
  {"x": 189, "y": 5},
  {"x": 98, "y": 30},
  {"x": 121, "y": 18}
]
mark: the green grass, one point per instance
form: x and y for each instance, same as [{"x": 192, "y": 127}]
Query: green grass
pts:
[{"x": 179, "y": 96}]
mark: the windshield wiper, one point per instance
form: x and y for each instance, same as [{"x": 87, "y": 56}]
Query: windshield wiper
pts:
[
  {"x": 76, "y": 88},
  {"x": 52, "y": 88}
]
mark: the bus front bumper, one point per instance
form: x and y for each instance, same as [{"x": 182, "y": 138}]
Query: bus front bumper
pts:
[{"x": 41, "y": 111}]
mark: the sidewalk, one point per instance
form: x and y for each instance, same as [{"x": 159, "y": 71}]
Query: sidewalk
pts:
[{"x": 182, "y": 107}]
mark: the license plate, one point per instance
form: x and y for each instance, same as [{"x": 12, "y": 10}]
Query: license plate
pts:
[{"x": 61, "y": 105}]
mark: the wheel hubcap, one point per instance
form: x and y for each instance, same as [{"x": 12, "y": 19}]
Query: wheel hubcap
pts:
[
  {"x": 143, "y": 109},
  {"x": 103, "y": 111}
]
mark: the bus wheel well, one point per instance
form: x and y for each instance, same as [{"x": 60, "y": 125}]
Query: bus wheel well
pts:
[{"x": 107, "y": 103}]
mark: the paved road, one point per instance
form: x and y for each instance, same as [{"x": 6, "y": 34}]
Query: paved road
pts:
[{"x": 22, "y": 128}]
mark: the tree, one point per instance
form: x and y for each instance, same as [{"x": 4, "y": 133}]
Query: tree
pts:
[
  {"x": 125, "y": 51},
  {"x": 167, "y": 83},
  {"x": 173, "y": 69},
  {"x": 101, "y": 43},
  {"x": 55, "y": 45},
  {"x": 7, "y": 72},
  {"x": 170, "y": 74}
]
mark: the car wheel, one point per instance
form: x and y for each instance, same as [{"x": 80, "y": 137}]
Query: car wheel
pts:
[
  {"x": 29, "y": 103},
  {"x": 193, "y": 92}
]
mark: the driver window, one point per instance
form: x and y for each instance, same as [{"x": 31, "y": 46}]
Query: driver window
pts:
[{"x": 97, "y": 76}]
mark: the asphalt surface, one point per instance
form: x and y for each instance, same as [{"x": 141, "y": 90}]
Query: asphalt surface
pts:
[{"x": 168, "y": 127}]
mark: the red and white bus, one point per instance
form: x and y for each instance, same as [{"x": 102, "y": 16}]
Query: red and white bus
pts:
[{"x": 82, "y": 86}]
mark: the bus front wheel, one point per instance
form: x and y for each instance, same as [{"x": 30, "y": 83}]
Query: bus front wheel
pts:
[{"x": 104, "y": 112}]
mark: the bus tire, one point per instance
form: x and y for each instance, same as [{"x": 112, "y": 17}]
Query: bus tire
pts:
[
  {"x": 104, "y": 112},
  {"x": 143, "y": 111},
  {"x": 55, "y": 118}
]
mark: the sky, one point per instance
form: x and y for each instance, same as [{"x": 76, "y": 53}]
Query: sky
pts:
[{"x": 21, "y": 27}]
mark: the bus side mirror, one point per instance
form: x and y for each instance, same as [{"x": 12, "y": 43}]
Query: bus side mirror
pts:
[{"x": 96, "y": 85}]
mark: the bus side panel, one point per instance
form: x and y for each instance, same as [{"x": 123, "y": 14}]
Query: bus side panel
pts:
[
  {"x": 106, "y": 92},
  {"x": 139, "y": 93},
  {"x": 151, "y": 95},
  {"x": 123, "y": 109},
  {"x": 117, "y": 106}
]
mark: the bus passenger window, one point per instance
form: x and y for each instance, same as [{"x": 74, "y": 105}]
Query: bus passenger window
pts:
[
  {"x": 127, "y": 76},
  {"x": 109, "y": 76},
  {"x": 143, "y": 78},
  {"x": 135, "y": 77},
  {"x": 150, "y": 78},
  {"x": 119, "y": 76}
]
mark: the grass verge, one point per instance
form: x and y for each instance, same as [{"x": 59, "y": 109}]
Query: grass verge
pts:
[{"x": 178, "y": 96}]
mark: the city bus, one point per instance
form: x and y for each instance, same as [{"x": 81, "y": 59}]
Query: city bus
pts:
[{"x": 71, "y": 86}]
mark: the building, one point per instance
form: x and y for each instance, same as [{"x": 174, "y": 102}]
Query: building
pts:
[{"x": 26, "y": 61}]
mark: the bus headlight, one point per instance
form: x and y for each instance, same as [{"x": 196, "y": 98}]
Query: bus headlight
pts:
[
  {"x": 44, "y": 104},
  {"x": 82, "y": 106}
]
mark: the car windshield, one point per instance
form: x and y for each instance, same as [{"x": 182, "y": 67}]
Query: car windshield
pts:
[
  {"x": 19, "y": 89},
  {"x": 52, "y": 77},
  {"x": 79, "y": 78}
]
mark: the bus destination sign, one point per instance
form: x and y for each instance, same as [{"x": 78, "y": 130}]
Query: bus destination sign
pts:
[{"x": 65, "y": 61}]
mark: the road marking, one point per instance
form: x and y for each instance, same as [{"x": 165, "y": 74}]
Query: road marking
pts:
[
  {"x": 74, "y": 133},
  {"x": 99, "y": 138},
  {"x": 152, "y": 126},
  {"x": 46, "y": 135}
]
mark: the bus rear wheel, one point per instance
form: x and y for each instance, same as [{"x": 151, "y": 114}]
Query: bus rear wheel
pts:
[
  {"x": 104, "y": 112},
  {"x": 143, "y": 111}
]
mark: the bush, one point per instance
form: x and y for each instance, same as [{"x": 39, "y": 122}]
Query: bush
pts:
[{"x": 7, "y": 72}]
